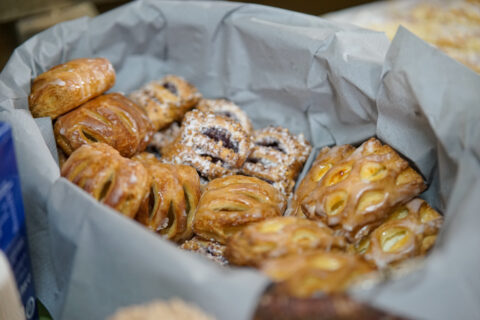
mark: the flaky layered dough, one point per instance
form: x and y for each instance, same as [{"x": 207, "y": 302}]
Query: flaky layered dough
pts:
[
  {"x": 116, "y": 181},
  {"x": 228, "y": 204},
  {"x": 411, "y": 230},
  {"x": 68, "y": 85},
  {"x": 172, "y": 199},
  {"x": 226, "y": 108},
  {"x": 277, "y": 237},
  {"x": 210, "y": 249},
  {"x": 166, "y": 100},
  {"x": 112, "y": 119},
  {"x": 307, "y": 274},
  {"x": 356, "y": 194}
]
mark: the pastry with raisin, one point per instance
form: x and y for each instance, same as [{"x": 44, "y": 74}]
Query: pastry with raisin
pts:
[{"x": 226, "y": 108}]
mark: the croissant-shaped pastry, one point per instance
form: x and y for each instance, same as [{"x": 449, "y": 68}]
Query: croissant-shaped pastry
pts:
[
  {"x": 112, "y": 119},
  {"x": 170, "y": 206},
  {"x": 166, "y": 100},
  {"x": 277, "y": 237},
  {"x": 307, "y": 274},
  {"x": 68, "y": 85},
  {"x": 357, "y": 193},
  {"x": 411, "y": 230},
  {"x": 226, "y": 108},
  {"x": 277, "y": 157},
  {"x": 116, "y": 181},
  {"x": 210, "y": 249},
  {"x": 228, "y": 204},
  {"x": 214, "y": 145}
]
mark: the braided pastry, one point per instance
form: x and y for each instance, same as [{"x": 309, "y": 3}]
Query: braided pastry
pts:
[
  {"x": 214, "y": 145},
  {"x": 309, "y": 273},
  {"x": 169, "y": 208},
  {"x": 226, "y": 108},
  {"x": 210, "y": 249},
  {"x": 66, "y": 86},
  {"x": 277, "y": 157},
  {"x": 357, "y": 193},
  {"x": 277, "y": 237},
  {"x": 228, "y": 204},
  {"x": 116, "y": 181},
  {"x": 166, "y": 100},
  {"x": 411, "y": 230},
  {"x": 112, "y": 119}
]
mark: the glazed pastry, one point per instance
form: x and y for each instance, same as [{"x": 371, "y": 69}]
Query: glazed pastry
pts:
[
  {"x": 307, "y": 274},
  {"x": 214, "y": 145},
  {"x": 68, "y": 85},
  {"x": 210, "y": 249},
  {"x": 165, "y": 137},
  {"x": 325, "y": 160},
  {"x": 228, "y": 204},
  {"x": 170, "y": 205},
  {"x": 226, "y": 108},
  {"x": 62, "y": 157},
  {"x": 166, "y": 100},
  {"x": 277, "y": 157},
  {"x": 357, "y": 193},
  {"x": 112, "y": 119},
  {"x": 277, "y": 237},
  {"x": 116, "y": 181},
  {"x": 410, "y": 231}
]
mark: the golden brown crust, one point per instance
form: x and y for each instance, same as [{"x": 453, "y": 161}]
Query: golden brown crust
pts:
[
  {"x": 210, "y": 249},
  {"x": 112, "y": 119},
  {"x": 166, "y": 100},
  {"x": 116, "y": 181},
  {"x": 66, "y": 86},
  {"x": 226, "y": 108},
  {"x": 277, "y": 237},
  {"x": 169, "y": 207},
  {"x": 162, "y": 139},
  {"x": 357, "y": 193},
  {"x": 228, "y": 204}
]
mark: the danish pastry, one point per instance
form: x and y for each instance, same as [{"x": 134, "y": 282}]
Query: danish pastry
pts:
[
  {"x": 226, "y": 108},
  {"x": 210, "y": 249},
  {"x": 165, "y": 137},
  {"x": 68, "y": 85},
  {"x": 277, "y": 157},
  {"x": 166, "y": 100},
  {"x": 172, "y": 199},
  {"x": 356, "y": 194},
  {"x": 214, "y": 145},
  {"x": 277, "y": 237},
  {"x": 116, "y": 181},
  {"x": 409, "y": 231},
  {"x": 306, "y": 274},
  {"x": 112, "y": 119},
  {"x": 228, "y": 204}
]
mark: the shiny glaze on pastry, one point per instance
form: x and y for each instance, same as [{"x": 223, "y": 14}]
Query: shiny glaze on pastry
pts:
[
  {"x": 166, "y": 100},
  {"x": 277, "y": 157},
  {"x": 112, "y": 119},
  {"x": 226, "y": 108},
  {"x": 228, "y": 204},
  {"x": 410, "y": 231},
  {"x": 170, "y": 205},
  {"x": 210, "y": 249},
  {"x": 116, "y": 181},
  {"x": 307, "y": 274},
  {"x": 356, "y": 194},
  {"x": 277, "y": 237},
  {"x": 66, "y": 86},
  {"x": 214, "y": 145}
]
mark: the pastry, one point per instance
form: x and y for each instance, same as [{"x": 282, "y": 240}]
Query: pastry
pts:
[
  {"x": 410, "y": 231},
  {"x": 166, "y": 100},
  {"x": 112, "y": 119},
  {"x": 307, "y": 274},
  {"x": 68, "y": 85},
  {"x": 210, "y": 249},
  {"x": 101, "y": 171},
  {"x": 277, "y": 157},
  {"x": 226, "y": 108},
  {"x": 277, "y": 237},
  {"x": 214, "y": 145},
  {"x": 165, "y": 137},
  {"x": 356, "y": 194},
  {"x": 228, "y": 204},
  {"x": 170, "y": 205}
]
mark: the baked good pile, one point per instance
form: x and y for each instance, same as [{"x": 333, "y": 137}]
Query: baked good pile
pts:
[{"x": 196, "y": 172}]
